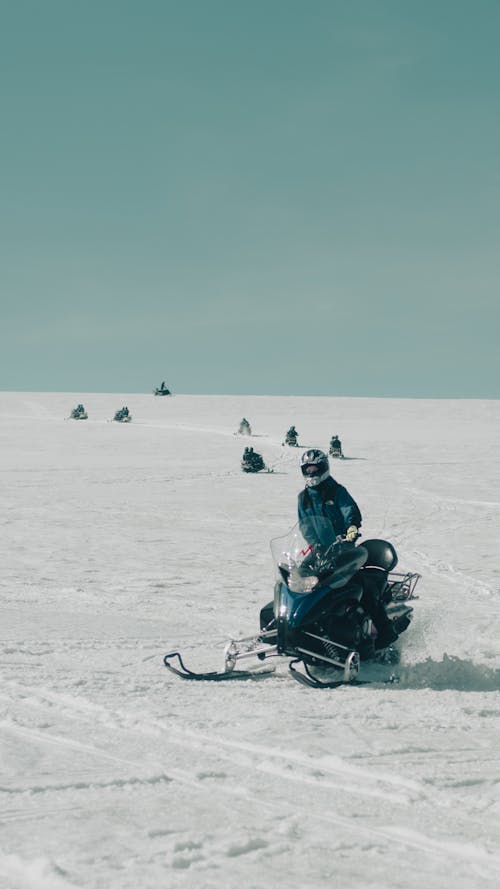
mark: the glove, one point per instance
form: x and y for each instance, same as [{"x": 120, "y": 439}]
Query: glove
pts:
[{"x": 351, "y": 533}]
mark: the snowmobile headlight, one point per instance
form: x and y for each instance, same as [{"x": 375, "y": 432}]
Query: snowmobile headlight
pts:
[
  {"x": 299, "y": 584},
  {"x": 310, "y": 583}
]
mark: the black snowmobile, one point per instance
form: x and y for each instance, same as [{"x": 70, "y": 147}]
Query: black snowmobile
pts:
[
  {"x": 122, "y": 415},
  {"x": 291, "y": 438},
  {"x": 316, "y": 617},
  {"x": 162, "y": 390},
  {"x": 79, "y": 413},
  {"x": 251, "y": 461},
  {"x": 335, "y": 449}
]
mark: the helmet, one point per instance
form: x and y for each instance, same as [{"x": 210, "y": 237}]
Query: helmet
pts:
[{"x": 315, "y": 467}]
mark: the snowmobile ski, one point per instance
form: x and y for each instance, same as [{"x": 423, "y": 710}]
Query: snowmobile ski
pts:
[
  {"x": 306, "y": 678},
  {"x": 211, "y": 676}
]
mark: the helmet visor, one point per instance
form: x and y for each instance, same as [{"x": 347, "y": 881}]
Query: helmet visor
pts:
[{"x": 312, "y": 469}]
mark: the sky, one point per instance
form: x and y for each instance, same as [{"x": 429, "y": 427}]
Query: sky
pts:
[{"x": 270, "y": 197}]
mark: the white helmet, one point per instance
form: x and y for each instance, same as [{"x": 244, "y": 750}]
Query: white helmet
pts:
[{"x": 315, "y": 467}]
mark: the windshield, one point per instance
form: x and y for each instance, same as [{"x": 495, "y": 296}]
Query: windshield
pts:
[
  {"x": 303, "y": 563},
  {"x": 312, "y": 555}
]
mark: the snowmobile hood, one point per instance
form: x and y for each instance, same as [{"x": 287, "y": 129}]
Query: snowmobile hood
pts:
[{"x": 307, "y": 571}]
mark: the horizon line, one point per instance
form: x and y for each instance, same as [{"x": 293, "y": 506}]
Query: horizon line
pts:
[{"x": 249, "y": 395}]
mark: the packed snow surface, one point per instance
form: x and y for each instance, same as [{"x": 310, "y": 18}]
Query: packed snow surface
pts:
[{"x": 122, "y": 542}]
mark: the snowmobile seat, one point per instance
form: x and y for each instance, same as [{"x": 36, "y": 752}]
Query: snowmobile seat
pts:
[{"x": 381, "y": 554}]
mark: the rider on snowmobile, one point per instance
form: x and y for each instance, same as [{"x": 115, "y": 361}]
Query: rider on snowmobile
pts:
[
  {"x": 252, "y": 460},
  {"x": 335, "y": 444},
  {"x": 323, "y": 497}
]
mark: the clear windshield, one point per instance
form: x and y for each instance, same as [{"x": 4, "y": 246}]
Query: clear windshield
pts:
[{"x": 311, "y": 555}]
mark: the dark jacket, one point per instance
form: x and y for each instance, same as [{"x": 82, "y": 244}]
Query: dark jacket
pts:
[{"x": 330, "y": 501}]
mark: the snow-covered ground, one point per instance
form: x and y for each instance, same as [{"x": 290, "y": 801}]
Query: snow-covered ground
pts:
[{"x": 120, "y": 542}]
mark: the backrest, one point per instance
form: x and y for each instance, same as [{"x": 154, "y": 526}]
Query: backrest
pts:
[{"x": 381, "y": 554}]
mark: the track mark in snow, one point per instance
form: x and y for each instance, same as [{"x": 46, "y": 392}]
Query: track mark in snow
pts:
[
  {"x": 89, "y": 785},
  {"x": 187, "y": 846},
  {"x": 329, "y": 765},
  {"x": 219, "y": 776},
  {"x": 318, "y": 780},
  {"x": 159, "y": 777},
  {"x": 42, "y": 812},
  {"x": 468, "y": 851},
  {"x": 251, "y": 845},
  {"x": 186, "y": 853},
  {"x": 160, "y": 832},
  {"x": 306, "y": 770}
]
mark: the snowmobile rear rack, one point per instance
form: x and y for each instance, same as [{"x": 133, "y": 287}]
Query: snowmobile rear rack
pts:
[{"x": 402, "y": 586}]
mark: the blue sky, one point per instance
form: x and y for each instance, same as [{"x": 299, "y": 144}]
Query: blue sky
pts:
[{"x": 268, "y": 197}]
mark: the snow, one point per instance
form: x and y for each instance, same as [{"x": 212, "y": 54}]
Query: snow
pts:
[{"x": 121, "y": 542}]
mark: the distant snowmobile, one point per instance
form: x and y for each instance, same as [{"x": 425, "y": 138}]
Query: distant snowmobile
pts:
[
  {"x": 244, "y": 427},
  {"x": 335, "y": 449},
  {"x": 251, "y": 461},
  {"x": 162, "y": 390},
  {"x": 316, "y": 617},
  {"x": 79, "y": 413},
  {"x": 291, "y": 437},
  {"x": 122, "y": 415}
]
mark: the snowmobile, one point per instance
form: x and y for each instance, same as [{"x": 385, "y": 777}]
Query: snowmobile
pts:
[
  {"x": 335, "y": 449},
  {"x": 244, "y": 428},
  {"x": 162, "y": 390},
  {"x": 122, "y": 415},
  {"x": 79, "y": 413},
  {"x": 291, "y": 439},
  {"x": 252, "y": 462},
  {"x": 316, "y": 617}
]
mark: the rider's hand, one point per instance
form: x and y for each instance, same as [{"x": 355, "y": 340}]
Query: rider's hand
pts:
[{"x": 351, "y": 533}]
